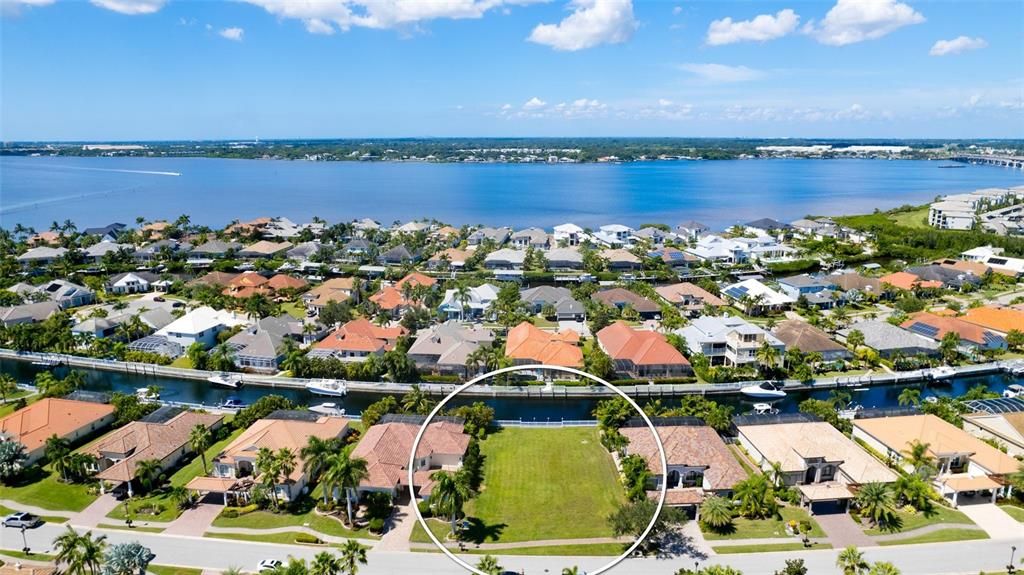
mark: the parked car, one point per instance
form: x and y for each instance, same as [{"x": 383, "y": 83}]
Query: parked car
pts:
[
  {"x": 159, "y": 298},
  {"x": 21, "y": 519},
  {"x": 268, "y": 565}
]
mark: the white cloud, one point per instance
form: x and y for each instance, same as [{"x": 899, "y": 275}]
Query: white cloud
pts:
[
  {"x": 760, "y": 29},
  {"x": 593, "y": 22},
  {"x": 14, "y": 7},
  {"x": 677, "y": 10},
  {"x": 233, "y": 33},
  {"x": 322, "y": 16},
  {"x": 534, "y": 103},
  {"x": 664, "y": 102},
  {"x": 720, "y": 73},
  {"x": 506, "y": 107},
  {"x": 131, "y": 7},
  {"x": 852, "y": 21},
  {"x": 957, "y": 45}
]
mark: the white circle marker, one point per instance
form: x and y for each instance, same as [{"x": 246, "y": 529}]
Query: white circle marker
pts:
[{"x": 474, "y": 381}]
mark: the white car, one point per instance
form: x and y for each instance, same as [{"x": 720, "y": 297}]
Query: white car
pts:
[
  {"x": 21, "y": 519},
  {"x": 268, "y": 565}
]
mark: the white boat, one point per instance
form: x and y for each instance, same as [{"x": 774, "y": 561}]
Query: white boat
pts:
[
  {"x": 233, "y": 403},
  {"x": 764, "y": 409},
  {"x": 46, "y": 362},
  {"x": 1013, "y": 390},
  {"x": 944, "y": 372},
  {"x": 1017, "y": 370},
  {"x": 850, "y": 411},
  {"x": 225, "y": 380},
  {"x": 327, "y": 409},
  {"x": 763, "y": 390},
  {"x": 147, "y": 394},
  {"x": 329, "y": 387}
]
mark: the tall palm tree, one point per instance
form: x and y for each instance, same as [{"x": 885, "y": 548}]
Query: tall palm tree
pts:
[
  {"x": 877, "y": 502},
  {"x": 147, "y": 472},
  {"x": 767, "y": 355},
  {"x": 352, "y": 556},
  {"x": 851, "y": 561},
  {"x": 325, "y": 563},
  {"x": 267, "y": 467},
  {"x": 463, "y": 295},
  {"x": 199, "y": 439},
  {"x": 416, "y": 401},
  {"x": 79, "y": 553},
  {"x": 346, "y": 472},
  {"x": 855, "y": 339},
  {"x": 450, "y": 493},
  {"x": 315, "y": 455},
  {"x": 286, "y": 463},
  {"x": 57, "y": 448},
  {"x": 8, "y": 385}
]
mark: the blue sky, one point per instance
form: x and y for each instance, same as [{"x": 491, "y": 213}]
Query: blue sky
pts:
[{"x": 176, "y": 69}]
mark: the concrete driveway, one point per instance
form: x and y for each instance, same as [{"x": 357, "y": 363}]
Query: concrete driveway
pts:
[{"x": 993, "y": 520}]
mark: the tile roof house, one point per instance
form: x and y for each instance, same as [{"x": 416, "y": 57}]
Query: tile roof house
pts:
[
  {"x": 398, "y": 255},
  {"x": 673, "y": 257},
  {"x": 949, "y": 276},
  {"x": 1006, "y": 428},
  {"x": 386, "y": 448},
  {"x": 621, "y": 297},
  {"x": 238, "y": 459},
  {"x": 497, "y": 235},
  {"x": 201, "y": 326},
  {"x": 998, "y": 319},
  {"x": 304, "y": 251},
  {"x": 620, "y": 259},
  {"x": 334, "y": 289},
  {"x": 805, "y": 337},
  {"x": 247, "y": 284},
  {"x": 973, "y": 337},
  {"x": 96, "y": 251},
  {"x": 805, "y": 284},
  {"x": 641, "y": 354},
  {"x": 527, "y": 344},
  {"x": 691, "y": 230},
  {"x": 699, "y": 462},
  {"x": 888, "y": 339},
  {"x": 27, "y": 313},
  {"x": 264, "y": 249},
  {"x": 392, "y": 300},
  {"x": 506, "y": 259},
  {"x": 456, "y": 258},
  {"x": 357, "y": 340},
  {"x": 44, "y": 238},
  {"x": 62, "y": 292},
  {"x": 566, "y": 307},
  {"x": 33, "y": 424},
  {"x": 214, "y": 279},
  {"x": 689, "y": 297},
  {"x": 965, "y": 463},
  {"x": 855, "y": 282},
  {"x": 214, "y": 249},
  {"x": 727, "y": 340},
  {"x": 655, "y": 236},
  {"x": 568, "y": 258},
  {"x": 908, "y": 281},
  {"x": 445, "y": 347},
  {"x": 43, "y": 255},
  {"x": 119, "y": 452},
  {"x": 130, "y": 282},
  {"x": 261, "y": 346},
  {"x": 416, "y": 279},
  {"x": 531, "y": 238},
  {"x": 279, "y": 282},
  {"x": 823, "y": 463}
]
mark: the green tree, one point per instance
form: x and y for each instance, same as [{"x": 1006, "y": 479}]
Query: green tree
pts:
[
  {"x": 79, "y": 554},
  {"x": 417, "y": 401},
  {"x": 12, "y": 460},
  {"x": 199, "y": 439},
  {"x": 596, "y": 362},
  {"x": 793, "y": 567},
  {"x": 877, "y": 502},
  {"x": 315, "y": 456},
  {"x": 949, "y": 346},
  {"x": 489, "y": 564},
  {"x": 56, "y": 450},
  {"x": 883, "y": 568},
  {"x": 325, "y": 563},
  {"x": 7, "y": 386},
  {"x": 286, "y": 462},
  {"x": 756, "y": 497},
  {"x": 352, "y": 556},
  {"x": 127, "y": 559},
  {"x": 345, "y": 472},
  {"x": 855, "y": 338},
  {"x": 451, "y": 491},
  {"x": 918, "y": 456},
  {"x": 716, "y": 513},
  {"x": 147, "y": 472},
  {"x": 910, "y": 396},
  {"x": 851, "y": 562}
]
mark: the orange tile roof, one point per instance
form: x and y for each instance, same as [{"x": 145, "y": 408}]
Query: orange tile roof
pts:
[
  {"x": 416, "y": 278},
  {"x": 908, "y": 281},
  {"x": 389, "y": 298},
  {"x": 334, "y": 289},
  {"x": 361, "y": 335},
  {"x": 676, "y": 293},
  {"x": 527, "y": 342},
  {"x": 386, "y": 448},
  {"x": 967, "y": 331},
  {"x": 32, "y": 425},
  {"x": 1001, "y": 319},
  {"x": 247, "y": 292},
  {"x": 247, "y": 279},
  {"x": 275, "y": 434},
  {"x": 454, "y": 255},
  {"x": 977, "y": 268},
  {"x": 283, "y": 281},
  {"x": 639, "y": 347},
  {"x": 44, "y": 238}
]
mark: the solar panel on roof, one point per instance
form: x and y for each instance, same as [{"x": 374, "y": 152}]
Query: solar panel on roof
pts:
[
  {"x": 991, "y": 338},
  {"x": 924, "y": 329},
  {"x": 996, "y": 261}
]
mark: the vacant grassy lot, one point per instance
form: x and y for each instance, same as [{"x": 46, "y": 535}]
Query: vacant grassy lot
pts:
[
  {"x": 766, "y": 528},
  {"x": 939, "y": 536},
  {"x": 543, "y": 484},
  {"x": 913, "y": 219},
  {"x": 913, "y": 521}
]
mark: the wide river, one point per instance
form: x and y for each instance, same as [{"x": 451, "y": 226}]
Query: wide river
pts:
[{"x": 98, "y": 191}]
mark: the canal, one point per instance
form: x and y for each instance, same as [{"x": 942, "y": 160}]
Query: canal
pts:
[{"x": 526, "y": 409}]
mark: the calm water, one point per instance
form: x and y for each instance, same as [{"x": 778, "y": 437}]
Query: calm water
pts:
[
  {"x": 526, "y": 409},
  {"x": 97, "y": 191}
]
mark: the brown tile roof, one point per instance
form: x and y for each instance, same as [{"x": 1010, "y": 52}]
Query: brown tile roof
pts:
[
  {"x": 977, "y": 268},
  {"x": 613, "y": 296},
  {"x": 678, "y": 293},
  {"x": 416, "y": 278},
  {"x": 685, "y": 496},
  {"x": 219, "y": 279},
  {"x": 283, "y": 281},
  {"x": 805, "y": 337},
  {"x": 967, "y": 331},
  {"x": 44, "y": 238},
  {"x": 454, "y": 255},
  {"x": 908, "y": 281},
  {"x": 265, "y": 247},
  {"x": 1001, "y": 319},
  {"x": 691, "y": 445},
  {"x": 334, "y": 289},
  {"x": 386, "y": 448},
  {"x": 855, "y": 281},
  {"x": 247, "y": 279},
  {"x": 275, "y": 434},
  {"x": 361, "y": 335},
  {"x": 622, "y": 342},
  {"x": 141, "y": 441},
  {"x": 33, "y": 424},
  {"x": 527, "y": 342}
]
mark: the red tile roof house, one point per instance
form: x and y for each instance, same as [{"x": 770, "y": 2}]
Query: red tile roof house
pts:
[
  {"x": 973, "y": 338},
  {"x": 642, "y": 354},
  {"x": 386, "y": 448},
  {"x": 357, "y": 340},
  {"x": 31, "y": 426},
  {"x": 908, "y": 281},
  {"x": 699, "y": 462},
  {"x": 119, "y": 452},
  {"x": 392, "y": 298},
  {"x": 528, "y": 344}
]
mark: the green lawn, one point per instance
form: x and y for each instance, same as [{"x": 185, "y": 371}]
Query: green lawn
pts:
[
  {"x": 20, "y": 555},
  {"x": 294, "y": 309},
  {"x": 182, "y": 476},
  {"x": 913, "y": 219},
  {"x": 591, "y": 550},
  {"x": 769, "y": 548},
  {"x": 543, "y": 484},
  {"x": 913, "y": 521},
  {"x": 939, "y": 536},
  {"x": 182, "y": 362},
  {"x": 134, "y": 527},
  {"x": 43, "y": 489},
  {"x": 168, "y": 570},
  {"x": 766, "y": 528},
  {"x": 270, "y": 520},
  {"x": 1014, "y": 511},
  {"x": 280, "y": 538},
  {"x": 8, "y": 408}
]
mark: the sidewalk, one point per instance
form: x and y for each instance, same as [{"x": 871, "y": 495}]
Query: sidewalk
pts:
[{"x": 35, "y": 510}]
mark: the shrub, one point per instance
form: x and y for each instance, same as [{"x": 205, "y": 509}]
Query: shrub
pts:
[
  {"x": 308, "y": 539},
  {"x": 376, "y": 525},
  {"x": 424, "y": 507}
]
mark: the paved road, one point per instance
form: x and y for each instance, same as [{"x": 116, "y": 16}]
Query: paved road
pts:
[{"x": 965, "y": 558}]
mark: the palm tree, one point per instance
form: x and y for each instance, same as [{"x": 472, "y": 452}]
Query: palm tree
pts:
[
  {"x": 910, "y": 396},
  {"x": 80, "y": 553},
  {"x": 756, "y": 497},
  {"x": 285, "y": 466},
  {"x": 346, "y": 472},
  {"x": 181, "y": 496},
  {"x": 147, "y": 472},
  {"x": 416, "y": 401},
  {"x": 315, "y": 456},
  {"x": 767, "y": 355},
  {"x": 877, "y": 502},
  {"x": 574, "y": 570},
  {"x": 352, "y": 555},
  {"x": 463, "y": 296},
  {"x": 716, "y": 512},
  {"x": 918, "y": 457},
  {"x": 199, "y": 439},
  {"x": 855, "y": 339},
  {"x": 325, "y": 563},
  {"x": 267, "y": 466},
  {"x": 7, "y": 386},
  {"x": 489, "y": 565},
  {"x": 451, "y": 491},
  {"x": 883, "y": 568},
  {"x": 851, "y": 561},
  {"x": 57, "y": 448},
  {"x": 223, "y": 357}
]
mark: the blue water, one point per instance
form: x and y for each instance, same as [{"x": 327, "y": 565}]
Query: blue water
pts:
[{"x": 94, "y": 191}]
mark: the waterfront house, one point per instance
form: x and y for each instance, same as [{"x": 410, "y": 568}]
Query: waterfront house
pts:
[
  {"x": 474, "y": 304},
  {"x": 386, "y": 447},
  {"x": 765, "y": 248},
  {"x": 806, "y": 338},
  {"x": 96, "y": 252},
  {"x": 965, "y": 464},
  {"x": 497, "y": 235},
  {"x": 158, "y": 249},
  {"x": 690, "y": 298},
  {"x": 993, "y": 257},
  {"x": 505, "y": 259},
  {"x": 1003, "y": 422},
  {"x": 97, "y": 327},
  {"x": 416, "y": 279},
  {"x": 767, "y": 226},
  {"x": 332, "y": 290},
  {"x": 154, "y": 230},
  {"x": 614, "y": 235},
  {"x": 62, "y": 292},
  {"x": 356, "y": 340},
  {"x": 261, "y": 346},
  {"x": 107, "y": 233},
  {"x": 817, "y": 228},
  {"x": 398, "y": 255},
  {"x": 201, "y": 326},
  {"x": 41, "y": 256},
  {"x": 445, "y": 235},
  {"x": 654, "y": 236},
  {"x": 691, "y": 230},
  {"x": 712, "y": 248},
  {"x": 973, "y": 337},
  {"x": 213, "y": 249},
  {"x": 130, "y": 282},
  {"x": 728, "y": 340},
  {"x": 158, "y": 344},
  {"x": 673, "y": 257},
  {"x": 412, "y": 227},
  {"x": 621, "y": 260},
  {"x": 528, "y": 344},
  {"x": 888, "y": 339},
  {"x": 531, "y": 238},
  {"x": 856, "y": 287},
  {"x": 805, "y": 285},
  {"x": 27, "y": 313},
  {"x": 365, "y": 225},
  {"x": 445, "y": 348},
  {"x": 162, "y": 436},
  {"x": 564, "y": 259},
  {"x": 824, "y": 465},
  {"x": 569, "y": 235},
  {"x": 757, "y": 298},
  {"x": 999, "y": 319},
  {"x": 699, "y": 462},
  {"x": 44, "y": 238},
  {"x": 68, "y": 419},
  {"x": 622, "y": 298},
  {"x": 280, "y": 430},
  {"x": 264, "y": 249},
  {"x": 641, "y": 354},
  {"x": 948, "y": 276},
  {"x": 951, "y": 214},
  {"x": 452, "y": 258}
]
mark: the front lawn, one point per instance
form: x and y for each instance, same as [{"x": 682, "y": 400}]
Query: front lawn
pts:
[
  {"x": 544, "y": 484},
  {"x": 766, "y": 528},
  {"x": 911, "y": 521},
  {"x": 294, "y": 309},
  {"x": 41, "y": 488},
  {"x": 768, "y": 548},
  {"x": 939, "y": 536},
  {"x": 168, "y": 570},
  {"x": 310, "y": 518}
]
